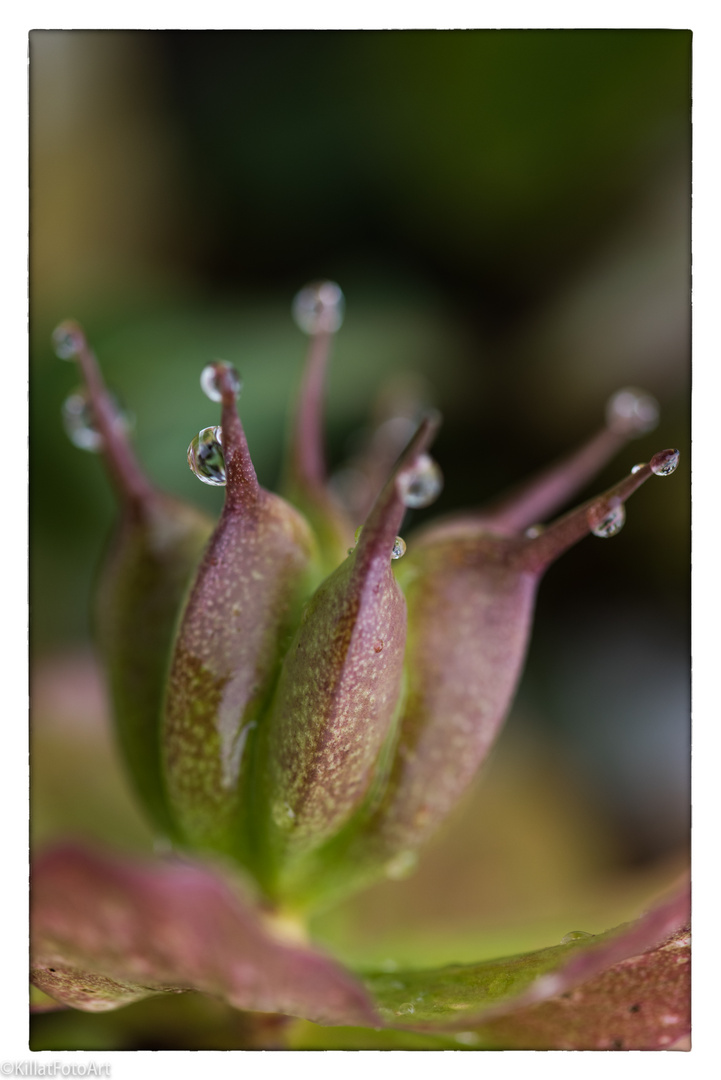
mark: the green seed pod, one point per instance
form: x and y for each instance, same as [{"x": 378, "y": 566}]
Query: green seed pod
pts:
[
  {"x": 144, "y": 576},
  {"x": 340, "y": 687},
  {"x": 470, "y": 594},
  {"x": 260, "y": 565},
  {"x": 140, "y": 591}
]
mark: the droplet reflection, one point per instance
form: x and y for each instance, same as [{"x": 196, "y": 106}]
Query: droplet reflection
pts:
[
  {"x": 205, "y": 457},
  {"x": 80, "y": 424},
  {"x": 399, "y": 548},
  {"x": 319, "y": 308},
  {"x": 209, "y": 381},
  {"x": 534, "y": 531},
  {"x": 666, "y": 465},
  {"x": 609, "y": 523},
  {"x": 422, "y": 484},
  {"x": 67, "y": 341}
]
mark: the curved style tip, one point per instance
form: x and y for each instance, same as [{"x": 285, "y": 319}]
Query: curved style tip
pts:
[
  {"x": 242, "y": 487},
  {"x": 94, "y": 420},
  {"x": 630, "y": 413},
  {"x": 396, "y": 412},
  {"x": 604, "y": 516},
  {"x": 416, "y": 481},
  {"x": 318, "y": 311},
  {"x": 213, "y": 446}
]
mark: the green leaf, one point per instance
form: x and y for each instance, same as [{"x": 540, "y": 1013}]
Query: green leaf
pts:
[{"x": 580, "y": 991}]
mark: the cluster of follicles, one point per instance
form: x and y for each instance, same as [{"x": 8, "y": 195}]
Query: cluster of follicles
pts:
[{"x": 319, "y": 706}]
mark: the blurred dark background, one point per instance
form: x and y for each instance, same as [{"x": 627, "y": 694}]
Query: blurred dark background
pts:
[{"x": 508, "y": 215}]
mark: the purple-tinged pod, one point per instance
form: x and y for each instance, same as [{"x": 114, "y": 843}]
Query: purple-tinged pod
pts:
[
  {"x": 470, "y": 603},
  {"x": 258, "y": 568},
  {"x": 156, "y": 546},
  {"x": 318, "y": 311},
  {"x": 341, "y": 683}
]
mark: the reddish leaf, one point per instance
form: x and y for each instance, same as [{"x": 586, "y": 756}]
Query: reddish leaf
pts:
[
  {"x": 115, "y": 930},
  {"x": 642, "y": 1003}
]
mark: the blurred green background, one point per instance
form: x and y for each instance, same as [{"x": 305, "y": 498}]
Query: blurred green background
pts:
[{"x": 507, "y": 213}]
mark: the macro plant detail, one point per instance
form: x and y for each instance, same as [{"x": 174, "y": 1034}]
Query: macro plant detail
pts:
[{"x": 301, "y": 696}]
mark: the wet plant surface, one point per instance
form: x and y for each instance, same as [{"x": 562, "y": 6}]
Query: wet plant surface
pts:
[{"x": 301, "y": 694}]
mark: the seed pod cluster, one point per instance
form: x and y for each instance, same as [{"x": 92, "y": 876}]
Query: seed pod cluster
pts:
[{"x": 313, "y": 710}]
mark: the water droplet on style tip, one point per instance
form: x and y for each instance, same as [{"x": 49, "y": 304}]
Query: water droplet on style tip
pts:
[
  {"x": 209, "y": 381},
  {"x": 632, "y": 412},
  {"x": 421, "y": 484},
  {"x": 665, "y": 463},
  {"x": 399, "y": 548},
  {"x": 405, "y": 1009},
  {"x": 67, "y": 341},
  {"x": 205, "y": 457},
  {"x": 319, "y": 308},
  {"x": 636, "y": 468},
  {"x": 608, "y": 523},
  {"x": 575, "y": 935},
  {"x": 80, "y": 424}
]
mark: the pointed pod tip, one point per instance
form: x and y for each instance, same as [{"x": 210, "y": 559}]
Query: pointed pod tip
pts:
[
  {"x": 94, "y": 419},
  {"x": 415, "y": 482},
  {"x": 228, "y": 441},
  {"x": 631, "y": 412},
  {"x": 423, "y": 436},
  {"x": 603, "y": 516}
]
